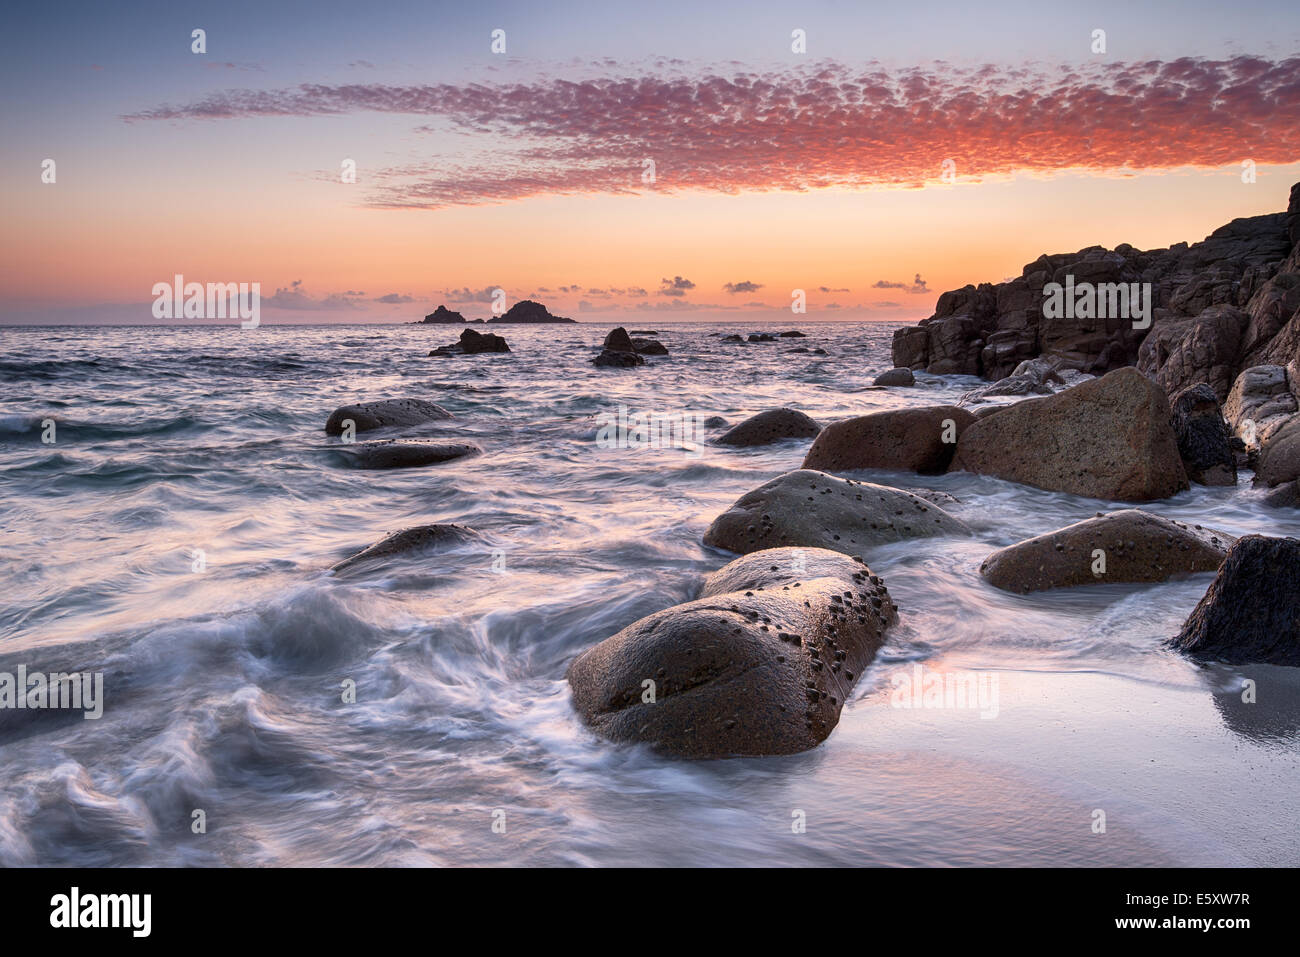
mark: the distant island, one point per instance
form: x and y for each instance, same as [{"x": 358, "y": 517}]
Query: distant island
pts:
[{"x": 526, "y": 310}]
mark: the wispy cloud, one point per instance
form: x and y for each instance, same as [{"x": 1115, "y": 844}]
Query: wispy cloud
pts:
[
  {"x": 824, "y": 127},
  {"x": 743, "y": 286},
  {"x": 917, "y": 285}
]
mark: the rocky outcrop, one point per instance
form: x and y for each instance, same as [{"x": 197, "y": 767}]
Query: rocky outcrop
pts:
[
  {"x": 1204, "y": 441},
  {"x": 794, "y": 334},
  {"x": 1251, "y": 612},
  {"x": 760, "y": 664},
  {"x": 909, "y": 440},
  {"x": 443, "y": 316},
  {"x": 420, "y": 538},
  {"x": 387, "y": 413},
  {"x": 472, "y": 343},
  {"x": 529, "y": 311},
  {"x": 405, "y": 453},
  {"x": 1217, "y": 306},
  {"x": 771, "y": 426},
  {"x": 1284, "y": 496},
  {"x": 1127, "y": 546},
  {"x": 1108, "y": 438},
  {"x": 896, "y": 377},
  {"x": 813, "y": 509}
]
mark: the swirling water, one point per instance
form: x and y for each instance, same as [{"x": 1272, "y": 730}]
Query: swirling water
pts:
[{"x": 223, "y": 677}]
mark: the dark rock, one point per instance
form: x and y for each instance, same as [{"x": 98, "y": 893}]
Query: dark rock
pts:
[
  {"x": 1204, "y": 442},
  {"x": 1251, "y": 612},
  {"x": 443, "y": 315},
  {"x": 472, "y": 343},
  {"x": 912, "y": 440},
  {"x": 1194, "y": 351},
  {"x": 618, "y": 341},
  {"x": 526, "y": 310},
  {"x": 733, "y": 338},
  {"x": 895, "y": 377},
  {"x": 761, "y": 337},
  {"x": 1136, "y": 545},
  {"x": 794, "y": 334},
  {"x": 760, "y": 664},
  {"x": 405, "y": 453},
  {"x": 649, "y": 347},
  {"x": 1108, "y": 438},
  {"x": 612, "y": 359},
  {"x": 715, "y": 422},
  {"x": 817, "y": 510},
  {"x": 1284, "y": 496},
  {"x": 771, "y": 426},
  {"x": 419, "y": 538},
  {"x": 386, "y": 413},
  {"x": 644, "y": 332}
]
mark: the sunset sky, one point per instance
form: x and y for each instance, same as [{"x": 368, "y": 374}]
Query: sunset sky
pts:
[{"x": 774, "y": 170}]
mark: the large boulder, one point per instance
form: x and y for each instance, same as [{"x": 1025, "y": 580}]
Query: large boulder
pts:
[
  {"x": 419, "y": 538},
  {"x": 387, "y": 413},
  {"x": 1135, "y": 546},
  {"x": 896, "y": 377},
  {"x": 618, "y": 351},
  {"x": 761, "y": 663},
  {"x": 1108, "y": 438},
  {"x": 909, "y": 440},
  {"x": 1279, "y": 455},
  {"x": 1260, "y": 400},
  {"x": 1204, "y": 441},
  {"x": 649, "y": 347},
  {"x": 771, "y": 426},
  {"x": 618, "y": 341},
  {"x": 817, "y": 510},
  {"x": 1251, "y": 612},
  {"x": 405, "y": 453}
]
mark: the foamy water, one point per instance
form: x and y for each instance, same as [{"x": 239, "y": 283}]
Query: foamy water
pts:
[{"x": 223, "y": 685}]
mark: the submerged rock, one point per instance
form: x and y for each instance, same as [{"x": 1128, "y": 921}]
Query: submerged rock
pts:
[
  {"x": 817, "y": 510},
  {"x": 1204, "y": 442},
  {"x": 910, "y": 440},
  {"x": 1134, "y": 546},
  {"x": 895, "y": 377},
  {"x": 419, "y": 538},
  {"x": 1251, "y": 612},
  {"x": 760, "y": 664},
  {"x": 472, "y": 343},
  {"x": 794, "y": 334},
  {"x": 771, "y": 426},
  {"x": 1108, "y": 438},
  {"x": 649, "y": 347},
  {"x": 618, "y": 351},
  {"x": 367, "y": 416},
  {"x": 405, "y": 453}
]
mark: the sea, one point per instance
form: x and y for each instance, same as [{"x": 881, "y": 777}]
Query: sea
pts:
[{"x": 171, "y": 507}]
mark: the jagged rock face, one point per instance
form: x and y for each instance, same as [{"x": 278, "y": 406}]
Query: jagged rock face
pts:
[
  {"x": 366, "y": 416},
  {"x": 1127, "y": 546},
  {"x": 1204, "y": 441},
  {"x": 1251, "y": 612},
  {"x": 771, "y": 426},
  {"x": 911, "y": 440},
  {"x": 1183, "y": 353},
  {"x": 760, "y": 664},
  {"x": 1108, "y": 438},
  {"x": 1250, "y": 264},
  {"x": 816, "y": 510}
]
